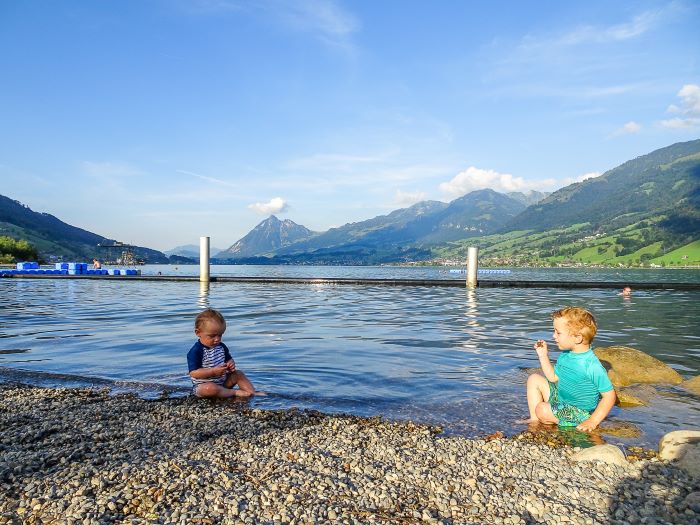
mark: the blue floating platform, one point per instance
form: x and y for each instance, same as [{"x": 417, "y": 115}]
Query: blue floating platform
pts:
[{"x": 480, "y": 270}]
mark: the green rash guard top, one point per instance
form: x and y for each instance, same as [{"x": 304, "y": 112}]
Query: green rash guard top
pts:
[{"x": 582, "y": 379}]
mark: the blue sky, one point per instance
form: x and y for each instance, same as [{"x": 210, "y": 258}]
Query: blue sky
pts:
[{"x": 156, "y": 121}]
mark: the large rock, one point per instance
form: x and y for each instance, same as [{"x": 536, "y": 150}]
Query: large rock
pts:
[
  {"x": 683, "y": 448},
  {"x": 635, "y": 395},
  {"x": 693, "y": 385},
  {"x": 621, "y": 429},
  {"x": 605, "y": 453},
  {"x": 627, "y": 366}
]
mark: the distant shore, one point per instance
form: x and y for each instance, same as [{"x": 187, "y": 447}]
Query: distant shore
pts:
[
  {"x": 436, "y": 265},
  {"x": 83, "y": 456}
]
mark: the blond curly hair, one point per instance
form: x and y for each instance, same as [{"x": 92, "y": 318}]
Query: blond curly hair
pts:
[{"x": 579, "y": 320}]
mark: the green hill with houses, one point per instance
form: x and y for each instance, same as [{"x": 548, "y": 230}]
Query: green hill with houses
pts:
[{"x": 645, "y": 212}]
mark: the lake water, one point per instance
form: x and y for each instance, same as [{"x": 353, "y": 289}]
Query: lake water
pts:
[
  {"x": 448, "y": 356},
  {"x": 434, "y": 272}
]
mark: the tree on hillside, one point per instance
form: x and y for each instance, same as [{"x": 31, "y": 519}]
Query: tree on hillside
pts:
[{"x": 14, "y": 250}]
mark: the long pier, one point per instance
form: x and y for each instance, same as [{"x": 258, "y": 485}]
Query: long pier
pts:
[{"x": 455, "y": 283}]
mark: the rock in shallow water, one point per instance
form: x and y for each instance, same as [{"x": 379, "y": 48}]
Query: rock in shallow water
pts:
[
  {"x": 693, "y": 385},
  {"x": 629, "y": 366}
]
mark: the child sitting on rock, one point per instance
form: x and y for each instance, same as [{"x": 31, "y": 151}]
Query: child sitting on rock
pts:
[
  {"x": 575, "y": 391},
  {"x": 211, "y": 366}
]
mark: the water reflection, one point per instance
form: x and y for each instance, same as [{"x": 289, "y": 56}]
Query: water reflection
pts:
[
  {"x": 471, "y": 312},
  {"x": 203, "y": 299}
]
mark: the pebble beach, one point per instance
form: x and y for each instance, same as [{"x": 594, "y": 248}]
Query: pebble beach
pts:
[{"x": 81, "y": 456}]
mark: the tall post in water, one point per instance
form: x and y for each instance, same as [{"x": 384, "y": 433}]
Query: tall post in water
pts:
[
  {"x": 472, "y": 265},
  {"x": 204, "y": 259}
]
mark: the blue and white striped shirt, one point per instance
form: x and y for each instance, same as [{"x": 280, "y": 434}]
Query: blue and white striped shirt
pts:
[{"x": 201, "y": 356}]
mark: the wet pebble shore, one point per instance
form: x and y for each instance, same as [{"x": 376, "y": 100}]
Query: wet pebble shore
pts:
[{"x": 85, "y": 457}]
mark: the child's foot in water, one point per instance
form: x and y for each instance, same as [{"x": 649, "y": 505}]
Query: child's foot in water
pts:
[{"x": 527, "y": 421}]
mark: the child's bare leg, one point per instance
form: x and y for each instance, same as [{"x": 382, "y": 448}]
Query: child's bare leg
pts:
[
  {"x": 544, "y": 413},
  {"x": 237, "y": 377},
  {"x": 213, "y": 390},
  {"x": 537, "y": 392}
]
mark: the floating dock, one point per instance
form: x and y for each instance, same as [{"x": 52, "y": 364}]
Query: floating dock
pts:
[
  {"x": 33, "y": 268},
  {"x": 454, "y": 283}
]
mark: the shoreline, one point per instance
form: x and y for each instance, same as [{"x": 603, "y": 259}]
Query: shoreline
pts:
[{"x": 86, "y": 456}]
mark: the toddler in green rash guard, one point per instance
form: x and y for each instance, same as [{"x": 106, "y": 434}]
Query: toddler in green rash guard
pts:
[{"x": 576, "y": 391}]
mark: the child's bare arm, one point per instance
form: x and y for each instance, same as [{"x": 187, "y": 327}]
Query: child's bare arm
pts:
[
  {"x": 547, "y": 368},
  {"x": 208, "y": 373},
  {"x": 604, "y": 407}
]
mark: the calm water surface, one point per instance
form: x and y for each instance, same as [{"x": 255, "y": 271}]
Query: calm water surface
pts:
[
  {"x": 433, "y": 272},
  {"x": 441, "y": 355}
]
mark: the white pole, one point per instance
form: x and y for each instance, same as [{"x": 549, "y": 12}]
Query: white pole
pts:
[
  {"x": 204, "y": 259},
  {"x": 472, "y": 265}
]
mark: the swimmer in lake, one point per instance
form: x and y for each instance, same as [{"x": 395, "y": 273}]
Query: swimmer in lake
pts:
[{"x": 626, "y": 292}]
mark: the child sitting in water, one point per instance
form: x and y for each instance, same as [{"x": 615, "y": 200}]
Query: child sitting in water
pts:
[
  {"x": 575, "y": 391},
  {"x": 211, "y": 366}
]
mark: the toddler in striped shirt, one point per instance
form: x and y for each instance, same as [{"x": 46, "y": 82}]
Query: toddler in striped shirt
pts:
[{"x": 212, "y": 369}]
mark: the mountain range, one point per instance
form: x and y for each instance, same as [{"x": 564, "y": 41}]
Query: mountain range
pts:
[
  {"x": 645, "y": 210},
  {"x": 636, "y": 212},
  {"x": 190, "y": 251},
  {"x": 402, "y": 235}
]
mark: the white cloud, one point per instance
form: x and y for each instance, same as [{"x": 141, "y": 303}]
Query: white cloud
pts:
[
  {"x": 325, "y": 19},
  {"x": 680, "y": 123},
  {"x": 689, "y": 109},
  {"x": 571, "y": 180},
  {"x": 590, "y": 34},
  {"x": 276, "y": 205},
  {"x": 630, "y": 128},
  {"x": 639, "y": 25},
  {"x": 474, "y": 178},
  {"x": 591, "y": 175},
  {"x": 404, "y": 198}
]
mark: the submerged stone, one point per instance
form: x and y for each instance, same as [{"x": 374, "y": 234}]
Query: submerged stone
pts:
[
  {"x": 621, "y": 429},
  {"x": 693, "y": 385},
  {"x": 635, "y": 395}
]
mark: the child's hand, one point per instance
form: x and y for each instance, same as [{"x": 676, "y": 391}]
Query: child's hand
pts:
[
  {"x": 230, "y": 366},
  {"x": 219, "y": 370},
  {"x": 587, "y": 426},
  {"x": 541, "y": 348}
]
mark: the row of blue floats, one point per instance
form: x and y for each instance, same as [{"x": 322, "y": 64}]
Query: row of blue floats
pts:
[
  {"x": 29, "y": 268},
  {"x": 480, "y": 270}
]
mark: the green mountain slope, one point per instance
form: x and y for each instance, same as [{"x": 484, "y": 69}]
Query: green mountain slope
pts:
[
  {"x": 666, "y": 181},
  {"x": 54, "y": 239},
  {"x": 644, "y": 212}
]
